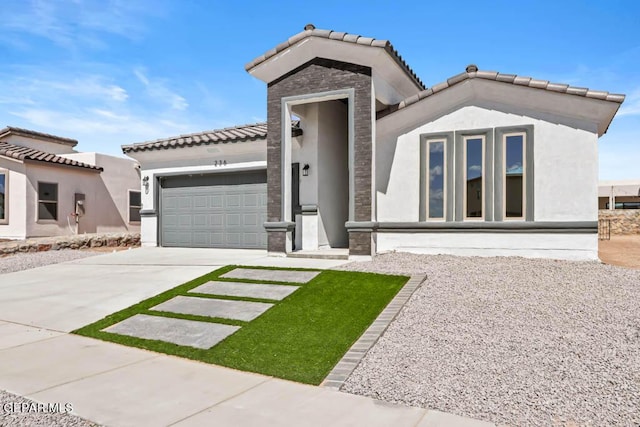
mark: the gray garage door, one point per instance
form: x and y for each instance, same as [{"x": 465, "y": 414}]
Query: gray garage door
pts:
[{"x": 214, "y": 211}]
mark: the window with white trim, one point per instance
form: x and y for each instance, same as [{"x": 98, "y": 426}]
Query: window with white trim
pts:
[
  {"x": 436, "y": 179},
  {"x": 47, "y": 201},
  {"x": 135, "y": 205},
  {"x": 4, "y": 202},
  {"x": 474, "y": 179},
  {"x": 514, "y": 182}
]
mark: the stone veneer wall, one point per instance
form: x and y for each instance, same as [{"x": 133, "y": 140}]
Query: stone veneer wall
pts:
[
  {"x": 82, "y": 241},
  {"x": 321, "y": 75},
  {"x": 623, "y": 221}
]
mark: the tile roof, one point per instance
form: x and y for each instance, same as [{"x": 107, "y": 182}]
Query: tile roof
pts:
[
  {"x": 311, "y": 31},
  {"x": 9, "y": 130},
  {"x": 25, "y": 153},
  {"x": 250, "y": 132},
  {"x": 472, "y": 72}
]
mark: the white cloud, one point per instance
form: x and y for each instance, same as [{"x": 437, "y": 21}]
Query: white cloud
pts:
[
  {"x": 475, "y": 168},
  {"x": 514, "y": 166},
  {"x": 157, "y": 89},
  {"x": 436, "y": 195},
  {"x": 75, "y": 24},
  {"x": 435, "y": 171},
  {"x": 27, "y": 88},
  {"x": 436, "y": 147},
  {"x": 96, "y": 121}
]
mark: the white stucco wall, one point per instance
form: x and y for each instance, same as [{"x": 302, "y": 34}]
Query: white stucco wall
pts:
[
  {"x": 15, "y": 227},
  {"x": 234, "y": 157},
  {"x": 565, "y": 187},
  {"x": 566, "y": 166},
  {"x": 324, "y": 147},
  {"x": 577, "y": 247},
  {"x": 333, "y": 173}
]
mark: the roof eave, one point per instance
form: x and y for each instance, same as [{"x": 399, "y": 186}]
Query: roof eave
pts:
[
  {"x": 94, "y": 169},
  {"x": 258, "y": 70},
  {"x": 463, "y": 92},
  {"x": 10, "y": 130}
]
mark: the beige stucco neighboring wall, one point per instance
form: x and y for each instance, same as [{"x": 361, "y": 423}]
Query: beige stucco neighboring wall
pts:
[
  {"x": 70, "y": 181},
  {"x": 15, "y": 226},
  {"x": 120, "y": 175},
  {"x": 106, "y": 197}
]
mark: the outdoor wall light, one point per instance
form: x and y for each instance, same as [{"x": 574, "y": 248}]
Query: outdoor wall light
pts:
[
  {"x": 305, "y": 170},
  {"x": 145, "y": 182}
]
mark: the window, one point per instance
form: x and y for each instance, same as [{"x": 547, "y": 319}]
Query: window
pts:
[
  {"x": 514, "y": 175},
  {"x": 474, "y": 177},
  {"x": 4, "y": 203},
  {"x": 135, "y": 204},
  {"x": 47, "y": 201},
  {"x": 436, "y": 185}
]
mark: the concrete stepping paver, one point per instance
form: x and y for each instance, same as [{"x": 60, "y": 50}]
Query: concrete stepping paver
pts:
[
  {"x": 250, "y": 290},
  {"x": 227, "y": 309},
  {"x": 271, "y": 275},
  {"x": 177, "y": 331}
]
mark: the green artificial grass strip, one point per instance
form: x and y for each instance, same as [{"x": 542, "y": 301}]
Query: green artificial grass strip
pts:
[{"x": 300, "y": 338}]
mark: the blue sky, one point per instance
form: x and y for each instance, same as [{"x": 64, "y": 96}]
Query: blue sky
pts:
[{"x": 112, "y": 72}]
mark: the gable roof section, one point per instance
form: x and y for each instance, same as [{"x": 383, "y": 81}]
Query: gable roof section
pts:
[
  {"x": 11, "y": 130},
  {"x": 30, "y": 154},
  {"x": 311, "y": 31},
  {"x": 250, "y": 132},
  {"x": 574, "y": 106},
  {"x": 472, "y": 72}
]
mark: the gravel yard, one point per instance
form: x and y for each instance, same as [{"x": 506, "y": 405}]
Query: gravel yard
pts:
[
  {"x": 19, "y": 411},
  {"x": 511, "y": 340},
  {"x": 27, "y": 260}
]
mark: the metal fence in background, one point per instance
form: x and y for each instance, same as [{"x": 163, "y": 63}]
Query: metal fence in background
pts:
[{"x": 604, "y": 229}]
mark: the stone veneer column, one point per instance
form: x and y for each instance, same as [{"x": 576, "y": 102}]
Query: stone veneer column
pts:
[{"x": 317, "y": 76}]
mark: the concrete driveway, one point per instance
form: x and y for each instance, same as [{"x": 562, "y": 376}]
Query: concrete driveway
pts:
[
  {"x": 122, "y": 386},
  {"x": 66, "y": 296}
]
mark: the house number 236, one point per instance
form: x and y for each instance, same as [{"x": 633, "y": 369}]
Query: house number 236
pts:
[{"x": 219, "y": 163}]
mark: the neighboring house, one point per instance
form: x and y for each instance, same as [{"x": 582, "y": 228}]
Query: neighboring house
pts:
[
  {"x": 357, "y": 153},
  {"x": 619, "y": 206},
  {"x": 49, "y": 189},
  {"x": 619, "y": 194}
]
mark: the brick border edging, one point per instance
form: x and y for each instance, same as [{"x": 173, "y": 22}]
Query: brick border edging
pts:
[{"x": 352, "y": 358}]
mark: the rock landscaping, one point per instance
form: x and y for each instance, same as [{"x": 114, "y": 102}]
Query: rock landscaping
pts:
[{"x": 511, "y": 340}]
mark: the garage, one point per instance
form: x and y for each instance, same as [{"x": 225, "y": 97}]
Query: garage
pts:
[{"x": 214, "y": 210}]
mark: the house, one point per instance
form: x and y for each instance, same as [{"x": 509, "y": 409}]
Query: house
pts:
[
  {"x": 619, "y": 206},
  {"x": 47, "y": 188},
  {"x": 357, "y": 153}
]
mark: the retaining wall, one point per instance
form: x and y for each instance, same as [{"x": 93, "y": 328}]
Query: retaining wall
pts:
[
  {"x": 623, "y": 221},
  {"x": 82, "y": 241}
]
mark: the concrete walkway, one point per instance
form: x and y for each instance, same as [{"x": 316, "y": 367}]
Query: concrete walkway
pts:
[{"x": 122, "y": 386}]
